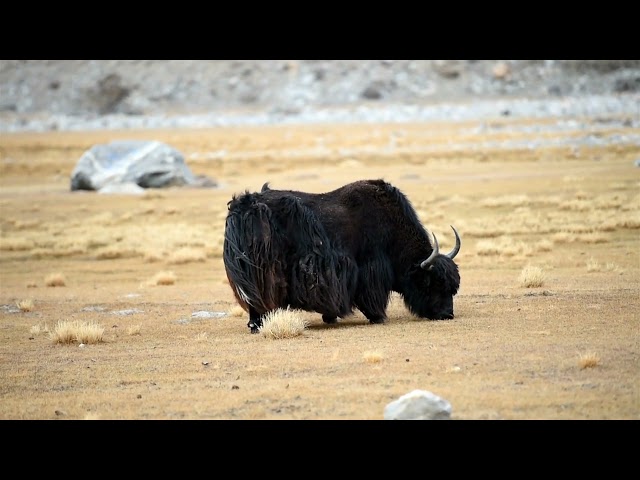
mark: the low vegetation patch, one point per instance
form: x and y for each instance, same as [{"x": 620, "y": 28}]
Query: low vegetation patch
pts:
[
  {"x": 77, "y": 331},
  {"x": 281, "y": 323}
]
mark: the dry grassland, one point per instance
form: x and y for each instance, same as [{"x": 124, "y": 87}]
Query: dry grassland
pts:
[{"x": 547, "y": 318}]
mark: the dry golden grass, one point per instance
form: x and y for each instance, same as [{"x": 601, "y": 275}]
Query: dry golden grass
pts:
[
  {"x": 236, "y": 310},
  {"x": 532, "y": 276},
  {"x": 55, "y": 280},
  {"x": 503, "y": 356},
  {"x": 76, "y": 331},
  {"x": 283, "y": 323},
  {"x": 372, "y": 357},
  {"x": 163, "y": 278},
  {"x": 588, "y": 360},
  {"x": 38, "y": 329},
  {"x": 25, "y": 305},
  {"x": 133, "y": 330}
]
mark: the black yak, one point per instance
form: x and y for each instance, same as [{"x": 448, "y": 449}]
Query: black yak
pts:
[{"x": 334, "y": 252}]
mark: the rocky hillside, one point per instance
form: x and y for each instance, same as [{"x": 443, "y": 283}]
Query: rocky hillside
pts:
[{"x": 96, "y": 88}]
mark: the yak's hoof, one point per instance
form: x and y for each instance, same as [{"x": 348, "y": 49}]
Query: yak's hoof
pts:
[
  {"x": 329, "y": 320},
  {"x": 376, "y": 320},
  {"x": 255, "y": 329}
]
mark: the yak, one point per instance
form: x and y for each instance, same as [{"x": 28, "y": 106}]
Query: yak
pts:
[{"x": 335, "y": 252}]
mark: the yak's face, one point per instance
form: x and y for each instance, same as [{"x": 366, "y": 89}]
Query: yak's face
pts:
[{"x": 430, "y": 290}]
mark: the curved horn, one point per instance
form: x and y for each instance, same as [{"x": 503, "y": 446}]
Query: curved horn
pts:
[
  {"x": 434, "y": 254},
  {"x": 456, "y": 249}
]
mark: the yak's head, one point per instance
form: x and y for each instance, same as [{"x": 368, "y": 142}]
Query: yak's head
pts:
[{"x": 433, "y": 282}]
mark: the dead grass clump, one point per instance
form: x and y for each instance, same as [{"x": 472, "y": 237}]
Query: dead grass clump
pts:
[
  {"x": 588, "y": 360},
  {"x": 563, "y": 237},
  {"x": 576, "y": 206},
  {"x": 163, "y": 278},
  {"x": 39, "y": 328},
  {"x": 544, "y": 245},
  {"x": 613, "y": 267},
  {"x": 133, "y": 330},
  {"x": 372, "y": 357},
  {"x": 151, "y": 256},
  {"x": 25, "y": 305},
  {"x": 66, "y": 332},
  {"x": 236, "y": 311},
  {"x": 32, "y": 284},
  {"x": 16, "y": 244},
  {"x": 593, "y": 266},
  {"x": 113, "y": 252},
  {"x": 55, "y": 280},
  {"x": 281, "y": 323},
  {"x": 531, "y": 276},
  {"x": 593, "y": 238},
  {"x": 187, "y": 255}
]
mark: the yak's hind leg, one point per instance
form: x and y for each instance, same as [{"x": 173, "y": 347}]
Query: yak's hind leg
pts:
[
  {"x": 255, "y": 320},
  {"x": 374, "y": 290}
]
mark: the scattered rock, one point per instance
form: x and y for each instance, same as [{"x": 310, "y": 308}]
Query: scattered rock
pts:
[
  {"x": 418, "y": 405},
  {"x": 206, "y": 314},
  {"x": 145, "y": 164}
]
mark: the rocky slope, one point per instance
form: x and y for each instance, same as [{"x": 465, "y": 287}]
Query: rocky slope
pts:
[{"x": 70, "y": 94}]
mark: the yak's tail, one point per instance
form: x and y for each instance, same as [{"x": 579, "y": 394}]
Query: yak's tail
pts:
[{"x": 250, "y": 255}]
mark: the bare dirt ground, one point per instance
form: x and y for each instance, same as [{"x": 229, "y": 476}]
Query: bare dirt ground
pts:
[{"x": 568, "y": 349}]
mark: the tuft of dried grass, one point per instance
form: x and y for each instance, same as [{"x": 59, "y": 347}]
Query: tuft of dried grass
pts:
[
  {"x": 16, "y": 244},
  {"x": 372, "y": 357},
  {"x": 67, "y": 332},
  {"x": 39, "y": 328},
  {"x": 593, "y": 266},
  {"x": 25, "y": 305},
  {"x": 55, "y": 280},
  {"x": 32, "y": 284},
  {"x": 236, "y": 311},
  {"x": 532, "y": 276},
  {"x": 163, "y": 278},
  {"x": 133, "y": 330},
  {"x": 281, "y": 323},
  {"x": 588, "y": 360}
]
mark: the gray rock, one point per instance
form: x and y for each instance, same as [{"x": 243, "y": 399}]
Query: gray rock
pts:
[
  {"x": 129, "y": 188},
  {"x": 146, "y": 164},
  {"x": 418, "y": 405},
  {"x": 207, "y": 314}
]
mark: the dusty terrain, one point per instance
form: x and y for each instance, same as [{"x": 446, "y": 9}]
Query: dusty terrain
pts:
[{"x": 568, "y": 349}]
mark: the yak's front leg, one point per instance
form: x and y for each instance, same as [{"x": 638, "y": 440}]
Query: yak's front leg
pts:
[{"x": 255, "y": 320}]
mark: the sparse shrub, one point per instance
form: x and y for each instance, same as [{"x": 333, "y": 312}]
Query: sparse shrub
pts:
[
  {"x": 25, "y": 305},
  {"x": 372, "y": 357},
  {"x": 55, "y": 280},
  {"x": 77, "y": 331},
  {"x": 281, "y": 323},
  {"x": 588, "y": 360},
  {"x": 531, "y": 276}
]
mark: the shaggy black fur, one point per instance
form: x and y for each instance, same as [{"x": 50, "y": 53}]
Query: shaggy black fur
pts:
[{"x": 332, "y": 253}]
